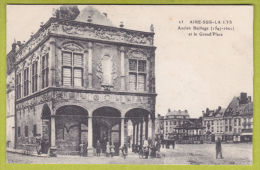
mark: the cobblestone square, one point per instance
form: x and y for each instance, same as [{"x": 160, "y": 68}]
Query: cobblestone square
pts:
[{"x": 193, "y": 154}]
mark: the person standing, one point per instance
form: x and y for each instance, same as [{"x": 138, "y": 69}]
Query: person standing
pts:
[
  {"x": 146, "y": 149},
  {"x": 112, "y": 149},
  {"x": 218, "y": 148},
  {"x": 98, "y": 148},
  {"x": 81, "y": 149},
  {"x": 38, "y": 143},
  {"x": 107, "y": 150}
]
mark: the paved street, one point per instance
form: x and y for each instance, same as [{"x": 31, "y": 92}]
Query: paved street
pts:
[{"x": 197, "y": 154}]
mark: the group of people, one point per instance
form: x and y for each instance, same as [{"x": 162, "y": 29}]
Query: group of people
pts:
[{"x": 110, "y": 149}]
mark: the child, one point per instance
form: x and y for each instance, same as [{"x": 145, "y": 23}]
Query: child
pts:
[
  {"x": 112, "y": 149},
  {"x": 98, "y": 148}
]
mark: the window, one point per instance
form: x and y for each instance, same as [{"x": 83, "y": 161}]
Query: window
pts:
[
  {"x": 230, "y": 128},
  {"x": 19, "y": 131},
  {"x": 239, "y": 130},
  {"x": 45, "y": 71},
  {"x": 217, "y": 122},
  {"x": 226, "y": 121},
  {"x": 212, "y": 129},
  {"x": 137, "y": 74},
  {"x": 166, "y": 123},
  {"x": 220, "y": 122},
  {"x": 217, "y": 128},
  {"x": 235, "y": 122},
  {"x": 239, "y": 122},
  {"x": 166, "y": 129},
  {"x": 34, "y": 130},
  {"x": 220, "y": 128},
  {"x": 26, "y": 82},
  {"x": 72, "y": 71},
  {"x": 235, "y": 130},
  {"x": 18, "y": 85},
  {"x": 26, "y": 131},
  {"x": 226, "y": 129},
  {"x": 34, "y": 76},
  {"x": 174, "y": 122},
  {"x": 230, "y": 121},
  {"x": 170, "y": 122},
  {"x": 212, "y": 122}
]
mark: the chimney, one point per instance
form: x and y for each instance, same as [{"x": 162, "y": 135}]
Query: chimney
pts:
[
  {"x": 219, "y": 107},
  {"x": 186, "y": 111},
  {"x": 159, "y": 115},
  {"x": 249, "y": 99},
  {"x": 121, "y": 24},
  {"x": 105, "y": 14},
  {"x": 207, "y": 110},
  {"x": 169, "y": 110},
  {"x": 243, "y": 98}
]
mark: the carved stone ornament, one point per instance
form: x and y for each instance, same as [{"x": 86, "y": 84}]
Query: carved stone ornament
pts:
[
  {"x": 72, "y": 47},
  {"x": 137, "y": 54},
  {"x": 34, "y": 58},
  {"x": 100, "y": 72},
  {"x": 18, "y": 69},
  {"x": 44, "y": 50}
]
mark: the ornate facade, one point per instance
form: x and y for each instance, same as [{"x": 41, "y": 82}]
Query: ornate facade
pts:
[{"x": 78, "y": 80}]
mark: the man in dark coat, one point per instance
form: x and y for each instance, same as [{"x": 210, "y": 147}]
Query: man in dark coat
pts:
[{"x": 218, "y": 149}]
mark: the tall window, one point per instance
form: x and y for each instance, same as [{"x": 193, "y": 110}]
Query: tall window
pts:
[
  {"x": 137, "y": 74},
  {"x": 18, "y": 85},
  {"x": 235, "y": 122},
  {"x": 239, "y": 122},
  {"x": 34, "y": 76},
  {"x": 45, "y": 71},
  {"x": 26, "y": 131},
  {"x": 19, "y": 132},
  {"x": 34, "y": 130},
  {"x": 72, "y": 71},
  {"x": 166, "y": 123},
  {"x": 26, "y": 82}
]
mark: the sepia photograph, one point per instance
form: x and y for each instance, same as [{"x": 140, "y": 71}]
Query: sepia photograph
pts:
[{"x": 129, "y": 84}]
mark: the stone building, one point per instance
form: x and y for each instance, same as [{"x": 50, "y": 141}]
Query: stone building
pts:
[
  {"x": 233, "y": 124},
  {"x": 80, "y": 78}
]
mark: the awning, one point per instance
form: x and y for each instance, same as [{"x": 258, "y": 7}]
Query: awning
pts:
[{"x": 246, "y": 134}]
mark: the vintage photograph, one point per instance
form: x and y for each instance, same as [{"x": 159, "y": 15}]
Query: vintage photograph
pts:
[{"x": 129, "y": 84}]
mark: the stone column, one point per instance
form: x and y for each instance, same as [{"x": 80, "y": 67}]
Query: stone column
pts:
[
  {"x": 122, "y": 52},
  {"x": 90, "y": 135},
  {"x": 53, "y": 136},
  {"x": 122, "y": 131},
  {"x": 52, "y": 57},
  {"x": 153, "y": 130},
  {"x": 90, "y": 65},
  {"x": 141, "y": 133},
  {"x": 146, "y": 128},
  {"x": 133, "y": 136},
  {"x": 137, "y": 132}
]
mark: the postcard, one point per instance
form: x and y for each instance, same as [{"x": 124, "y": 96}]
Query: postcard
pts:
[{"x": 129, "y": 84}]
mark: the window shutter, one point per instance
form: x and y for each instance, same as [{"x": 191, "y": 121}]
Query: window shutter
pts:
[
  {"x": 141, "y": 82},
  {"x": 77, "y": 60},
  {"x": 66, "y": 59},
  {"x": 66, "y": 76},
  {"x": 132, "y": 81},
  {"x": 78, "y": 77}
]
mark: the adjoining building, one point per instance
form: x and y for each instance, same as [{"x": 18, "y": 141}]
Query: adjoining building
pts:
[
  {"x": 80, "y": 78},
  {"x": 233, "y": 124},
  {"x": 177, "y": 126}
]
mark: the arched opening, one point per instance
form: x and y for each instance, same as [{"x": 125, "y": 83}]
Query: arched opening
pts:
[
  {"x": 107, "y": 127},
  {"x": 46, "y": 128},
  {"x": 71, "y": 126},
  {"x": 138, "y": 128}
]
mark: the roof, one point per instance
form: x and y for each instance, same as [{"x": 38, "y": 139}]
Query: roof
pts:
[
  {"x": 219, "y": 112},
  {"x": 178, "y": 113},
  {"x": 235, "y": 108},
  {"x": 96, "y": 16}
]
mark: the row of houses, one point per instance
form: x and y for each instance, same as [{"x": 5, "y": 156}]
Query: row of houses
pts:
[{"x": 231, "y": 124}]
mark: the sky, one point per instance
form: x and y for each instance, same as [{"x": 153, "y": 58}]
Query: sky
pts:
[{"x": 192, "y": 72}]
